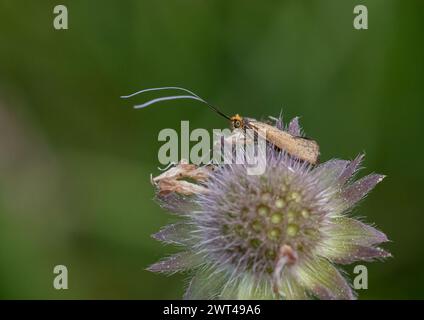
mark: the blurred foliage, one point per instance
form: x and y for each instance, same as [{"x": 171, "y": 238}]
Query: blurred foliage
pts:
[{"x": 75, "y": 159}]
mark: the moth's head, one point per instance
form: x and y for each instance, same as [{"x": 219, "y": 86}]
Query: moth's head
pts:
[{"x": 237, "y": 122}]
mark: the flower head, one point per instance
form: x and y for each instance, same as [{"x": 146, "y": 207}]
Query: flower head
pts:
[{"x": 278, "y": 235}]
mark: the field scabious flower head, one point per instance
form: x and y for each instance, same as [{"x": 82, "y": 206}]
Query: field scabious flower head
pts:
[{"x": 279, "y": 235}]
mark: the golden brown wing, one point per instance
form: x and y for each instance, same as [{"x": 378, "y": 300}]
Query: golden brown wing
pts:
[{"x": 304, "y": 149}]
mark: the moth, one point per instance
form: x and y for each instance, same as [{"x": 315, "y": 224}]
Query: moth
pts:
[{"x": 300, "y": 147}]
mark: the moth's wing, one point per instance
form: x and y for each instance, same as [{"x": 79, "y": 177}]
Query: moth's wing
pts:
[{"x": 304, "y": 149}]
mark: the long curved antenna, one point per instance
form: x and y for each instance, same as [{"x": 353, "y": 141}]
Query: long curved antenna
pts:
[
  {"x": 153, "y": 101},
  {"x": 191, "y": 96},
  {"x": 159, "y": 89}
]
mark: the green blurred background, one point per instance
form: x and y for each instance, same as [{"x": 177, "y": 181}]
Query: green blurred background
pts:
[{"x": 75, "y": 159}]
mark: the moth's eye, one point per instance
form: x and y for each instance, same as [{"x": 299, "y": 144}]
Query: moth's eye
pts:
[{"x": 237, "y": 124}]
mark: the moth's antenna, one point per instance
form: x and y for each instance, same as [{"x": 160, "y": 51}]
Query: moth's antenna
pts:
[
  {"x": 153, "y": 101},
  {"x": 191, "y": 96},
  {"x": 158, "y": 89}
]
